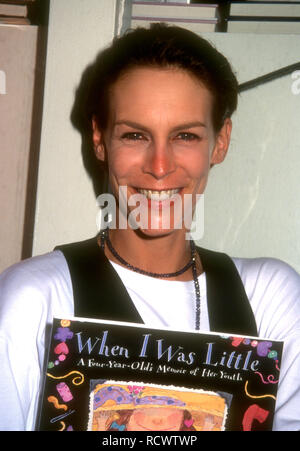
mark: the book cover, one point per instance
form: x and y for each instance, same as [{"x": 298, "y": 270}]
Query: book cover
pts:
[
  {"x": 14, "y": 20},
  {"x": 197, "y": 26},
  {"x": 174, "y": 10},
  {"x": 265, "y": 9},
  {"x": 111, "y": 376},
  {"x": 13, "y": 10},
  {"x": 18, "y": 2},
  {"x": 265, "y": 25}
]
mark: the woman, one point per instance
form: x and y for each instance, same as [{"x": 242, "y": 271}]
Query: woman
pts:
[{"x": 157, "y": 112}]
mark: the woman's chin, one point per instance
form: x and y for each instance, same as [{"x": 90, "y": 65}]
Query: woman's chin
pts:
[{"x": 156, "y": 232}]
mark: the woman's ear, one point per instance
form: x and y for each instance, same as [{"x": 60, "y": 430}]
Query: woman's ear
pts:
[
  {"x": 222, "y": 143},
  {"x": 98, "y": 141}
]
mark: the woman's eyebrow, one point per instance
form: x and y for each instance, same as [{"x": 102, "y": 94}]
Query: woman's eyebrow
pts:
[
  {"x": 185, "y": 125},
  {"x": 131, "y": 124}
]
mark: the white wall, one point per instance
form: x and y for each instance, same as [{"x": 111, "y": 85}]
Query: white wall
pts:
[
  {"x": 18, "y": 45},
  {"x": 252, "y": 199},
  {"x": 66, "y": 208},
  {"x": 251, "y": 205}
]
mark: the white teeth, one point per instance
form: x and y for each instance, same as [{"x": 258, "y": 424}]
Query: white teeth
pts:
[{"x": 158, "y": 195}]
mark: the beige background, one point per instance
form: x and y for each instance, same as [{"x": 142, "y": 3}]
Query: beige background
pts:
[
  {"x": 17, "y": 75},
  {"x": 66, "y": 207}
]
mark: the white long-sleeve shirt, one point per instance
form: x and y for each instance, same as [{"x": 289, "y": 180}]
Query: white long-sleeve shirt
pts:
[{"x": 34, "y": 291}]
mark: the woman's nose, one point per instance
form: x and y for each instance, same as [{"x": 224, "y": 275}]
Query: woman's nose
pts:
[
  {"x": 157, "y": 421},
  {"x": 160, "y": 160}
]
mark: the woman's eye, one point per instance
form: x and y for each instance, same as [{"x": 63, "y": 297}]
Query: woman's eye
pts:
[
  {"x": 186, "y": 136},
  {"x": 133, "y": 136}
]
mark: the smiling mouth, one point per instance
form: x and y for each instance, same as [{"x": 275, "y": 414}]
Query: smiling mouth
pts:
[
  {"x": 172, "y": 428},
  {"x": 160, "y": 195}
]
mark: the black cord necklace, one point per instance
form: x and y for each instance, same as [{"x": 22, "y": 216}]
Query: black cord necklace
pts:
[{"x": 104, "y": 238}]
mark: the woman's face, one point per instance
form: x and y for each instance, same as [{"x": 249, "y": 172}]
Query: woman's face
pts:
[{"x": 160, "y": 142}]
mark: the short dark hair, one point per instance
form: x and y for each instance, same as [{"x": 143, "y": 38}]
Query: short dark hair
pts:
[{"x": 158, "y": 46}]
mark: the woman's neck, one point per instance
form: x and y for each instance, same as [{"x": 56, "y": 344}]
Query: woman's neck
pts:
[{"x": 161, "y": 254}]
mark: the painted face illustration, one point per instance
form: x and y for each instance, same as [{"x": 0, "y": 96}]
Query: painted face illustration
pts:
[{"x": 155, "y": 419}]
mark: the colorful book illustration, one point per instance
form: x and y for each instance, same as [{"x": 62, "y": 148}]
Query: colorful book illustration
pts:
[{"x": 111, "y": 376}]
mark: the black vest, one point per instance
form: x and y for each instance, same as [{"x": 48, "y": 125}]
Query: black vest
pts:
[{"x": 99, "y": 292}]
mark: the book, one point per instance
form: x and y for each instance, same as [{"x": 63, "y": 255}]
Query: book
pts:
[
  {"x": 194, "y": 25},
  {"x": 13, "y": 10},
  {"x": 113, "y": 376},
  {"x": 14, "y": 20},
  {"x": 17, "y": 2},
  {"x": 272, "y": 1},
  {"x": 174, "y": 10},
  {"x": 263, "y": 25},
  {"x": 264, "y": 9}
]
